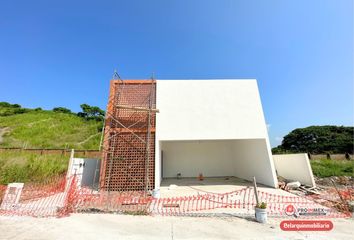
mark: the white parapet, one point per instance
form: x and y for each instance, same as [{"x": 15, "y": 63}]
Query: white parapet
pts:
[{"x": 295, "y": 167}]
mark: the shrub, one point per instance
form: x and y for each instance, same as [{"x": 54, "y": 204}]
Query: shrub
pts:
[
  {"x": 61, "y": 110},
  {"x": 261, "y": 205}
]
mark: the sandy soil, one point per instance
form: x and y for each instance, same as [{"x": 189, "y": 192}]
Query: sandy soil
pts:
[{"x": 109, "y": 226}]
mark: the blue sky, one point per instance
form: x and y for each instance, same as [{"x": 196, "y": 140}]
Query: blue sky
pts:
[{"x": 63, "y": 53}]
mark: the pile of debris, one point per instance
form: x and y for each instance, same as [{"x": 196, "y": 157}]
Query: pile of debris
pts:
[
  {"x": 296, "y": 187},
  {"x": 333, "y": 192},
  {"x": 342, "y": 181}
]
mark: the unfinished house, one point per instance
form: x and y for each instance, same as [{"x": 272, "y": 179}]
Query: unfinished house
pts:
[{"x": 159, "y": 129}]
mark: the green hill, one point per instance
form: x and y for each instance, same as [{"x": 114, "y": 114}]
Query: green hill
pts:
[
  {"x": 37, "y": 128},
  {"x": 48, "y": 129}
]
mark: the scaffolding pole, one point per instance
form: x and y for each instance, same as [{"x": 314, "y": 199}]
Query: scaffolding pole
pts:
[{"x": 130, "y": 115}]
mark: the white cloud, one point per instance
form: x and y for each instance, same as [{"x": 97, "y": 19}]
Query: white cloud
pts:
[
  {"x": 268, "y": 126},
  {"x": 278, "y": 139}
]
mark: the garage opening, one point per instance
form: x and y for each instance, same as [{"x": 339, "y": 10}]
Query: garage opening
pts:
[{"x": 241, "y": 158}]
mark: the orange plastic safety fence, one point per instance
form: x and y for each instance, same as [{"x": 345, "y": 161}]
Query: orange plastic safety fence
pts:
[{"x": 63, "y": 196}]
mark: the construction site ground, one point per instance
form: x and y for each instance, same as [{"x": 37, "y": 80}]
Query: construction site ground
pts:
[
  {"x": 173, "y": 187},
  {"x": 184, "y": 187},
  {"x": 110, "y": 226}
]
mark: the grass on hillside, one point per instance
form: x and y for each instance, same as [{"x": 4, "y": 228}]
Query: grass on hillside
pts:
[
  {"x": 29, "y": 167},
  {"x": 328, "y": 168},
  {"x": 47, "y": 129}
]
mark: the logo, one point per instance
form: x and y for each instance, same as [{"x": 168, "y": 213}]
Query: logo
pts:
[
  {"x": 306, "y": 225},
  {"x": 291, "y": 210}
]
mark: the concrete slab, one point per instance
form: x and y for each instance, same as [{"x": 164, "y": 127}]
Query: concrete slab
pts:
[{"x": 172, "y": 187}]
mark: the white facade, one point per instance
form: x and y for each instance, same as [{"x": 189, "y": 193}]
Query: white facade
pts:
[
  {"x": 300, "y": 169},
  {"x": 213, "y": 127}
]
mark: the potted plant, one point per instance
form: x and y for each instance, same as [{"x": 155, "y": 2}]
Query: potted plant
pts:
[{"x": 261, "y": 212}]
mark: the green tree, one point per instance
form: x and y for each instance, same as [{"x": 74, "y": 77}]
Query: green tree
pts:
[
  {"x": 8, "y": 109},
  {"x": 61, "y": 110},
  {"x": 16, "y": 106},
  {"x": 9, "y": 105},
  {"x": 318, "y": 139},
  {"x": 91, "y": 112},
  {"x": 4, "y": 104}
]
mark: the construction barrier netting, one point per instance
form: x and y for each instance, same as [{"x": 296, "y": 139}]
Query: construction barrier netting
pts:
[{"x": 64, "y": 196}]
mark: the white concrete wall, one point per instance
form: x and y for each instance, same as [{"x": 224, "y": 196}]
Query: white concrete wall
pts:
[
  {"x": 213, "y": 110},
  {"x": 216, "y": 158},
  {"x": 253, "y": 160},
  {"x": 295, "y": 167},
  {"x": 209, "y": 110},
  {"x": 212, "y": 158}
]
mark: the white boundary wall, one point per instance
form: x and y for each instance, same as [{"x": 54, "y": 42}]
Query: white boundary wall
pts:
[
  {"x": 214, "y": 110},
  {"x": 295, "y": 167}
]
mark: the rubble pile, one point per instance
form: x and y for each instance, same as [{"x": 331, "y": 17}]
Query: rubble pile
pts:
[
  {"x": 333, "y": 192},
  {"x": 296, "y": 187},
  {"x": 340, "y": 181}
]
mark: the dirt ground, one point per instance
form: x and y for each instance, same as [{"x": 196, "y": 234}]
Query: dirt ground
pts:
[{"x": 110, "y": 226}]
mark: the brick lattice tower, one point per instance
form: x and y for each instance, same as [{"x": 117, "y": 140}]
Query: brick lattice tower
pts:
[{"x": 128, "y": 146}]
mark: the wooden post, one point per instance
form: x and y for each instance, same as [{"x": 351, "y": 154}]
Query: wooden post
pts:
[{"x": 255, "y": 189}]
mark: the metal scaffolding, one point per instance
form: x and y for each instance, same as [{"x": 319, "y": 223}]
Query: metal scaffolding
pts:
[{"x": 128, "y": 145}]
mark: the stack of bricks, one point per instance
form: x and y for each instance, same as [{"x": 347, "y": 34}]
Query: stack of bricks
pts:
[{"x": 125, "y": 152}]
